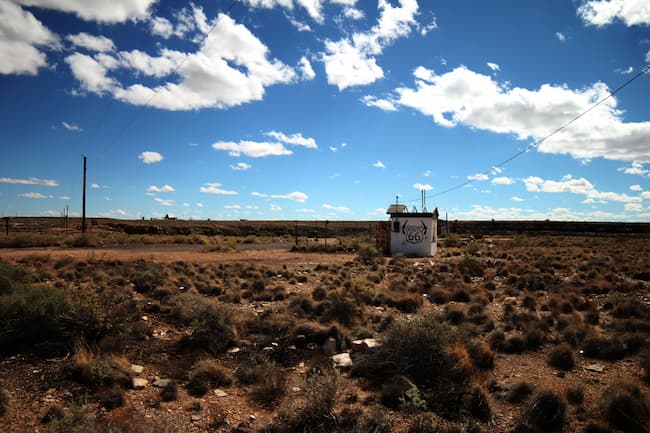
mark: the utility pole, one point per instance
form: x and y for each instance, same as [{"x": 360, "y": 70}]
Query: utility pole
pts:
[{"x": 83, "y": 202}]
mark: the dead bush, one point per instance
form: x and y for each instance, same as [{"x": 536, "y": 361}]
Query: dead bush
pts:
[
  {"x": 624, "y": 407},
  {"x": 207, "y": 374},
  {"x": 562, "y": 358},
  {"x": 519, "y": 392},
  {"x": 546, "y": 412},
  {"x": 481, "y": 355}
]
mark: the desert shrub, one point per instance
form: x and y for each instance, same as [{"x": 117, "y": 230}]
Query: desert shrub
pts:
[
  {"x": 169, "y": 391},
  {"x": 471, "y": 266},
  {"x": 148, "y": 278},
  {"x": 451, "y": 240},
  {"x": 213, "y": 330},
  {"x": 395, "y": 389},
  {"x": 272, "y": 386},
  {"x": 376, "y": 420},
  {"x": 207, "y": 374},
  {"x": 514, "y": 344},
  {"x": 529, "y": 303},
  {"x": 4, "y": 401},
  {"x": 601, "y": 347},
  {"x": 455, "y": 315},
  {"x": 519, "y": 392},
  {"x": 575, "y": 395},
  {"x": 439, "y": 296},
  {"x": 32, "y": 314},
  {"x": 481, "y": 355},
  {"x": 562, "y": 358},
  {"x": 645, "y": 365},
  {"x": 367, "y": 252},
  {"x": 477, "y": 404},
  {"x": 624, "y": 407},
  {"x": 111, "y": 397},
  {"x": 412, "y": 400},
  {"x": 496, "y": 339},
  {"x": 460, "y": 295},
  {"x": 53, "y": 413},
  {"x": 343, "y": 309},
  {"x": 546, "y": 412},
  {"x": 534, "y": 338},
  {"x": 97, "y": 370}
]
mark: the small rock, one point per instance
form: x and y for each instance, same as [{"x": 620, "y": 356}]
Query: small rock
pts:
[
  {"x": 234, "y": 350},
  {"x": 195, "y": 418},
  {"x": 342, "y": 360},
  {"x": 137, "y": 369},
  {"x": 219, "y": 393},
  {"x": 161, "y": 383},
  {"x": 594, "y": 367},
  {"x": 267, "y": 349},
  {"x": 252, "y": 418},
  {"x": 139, "y": 383},
  {"x": 296, "y": 389}
]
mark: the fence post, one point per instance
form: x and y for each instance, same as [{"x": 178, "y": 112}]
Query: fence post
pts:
[{"x": 7, "y": 225}]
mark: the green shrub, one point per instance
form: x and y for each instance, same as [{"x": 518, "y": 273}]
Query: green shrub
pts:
[
  {"x": 213, "y": 331},
  {"x": 148, "y": 278},
  {"x": 471, "y": 266}
]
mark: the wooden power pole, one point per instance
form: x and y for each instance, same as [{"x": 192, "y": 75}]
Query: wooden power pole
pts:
[{"x": 83, "y": 202}]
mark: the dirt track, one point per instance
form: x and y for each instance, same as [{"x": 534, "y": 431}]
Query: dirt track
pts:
[{"x": 172, "y": 253}]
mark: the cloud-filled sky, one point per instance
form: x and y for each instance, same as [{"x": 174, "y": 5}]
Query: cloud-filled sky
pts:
[{"x": 325, "y": 109}]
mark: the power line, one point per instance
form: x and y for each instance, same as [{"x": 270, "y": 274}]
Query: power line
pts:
[{"x": 541, "y": 140}]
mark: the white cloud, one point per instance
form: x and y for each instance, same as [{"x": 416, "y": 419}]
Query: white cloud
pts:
[
  {"x": 433, "y": 25},
  {"x": 560, "y": 36},
  {"x": 341, "y": 209},
  {"x": 334, "y": 149},
  {"x": 30, "y": 181},
  {"x": 502, "y": 180},
  {"x": 91, "y": 42},
  {"x": 627, "y": 71},
  {"x": 230, "y": 68},
  {"x": 306, "y": 71},
  {"x": 164, "y": 201},
  {"x": 215, "y": 188},
  {"x": 427, "y": 173},
  {"x": 465, "y": 97},
  {"x": 164, "y": 188},
  {"x": 95, "y": 186},
  {"x": 636, "y": 167},
  {"x": 481, "y": 177},
  {"x": 199, "y": 204},
  {"x": 149, "y": 157},
  {"x": 353, "y": 13},
  {"x": 254, "y": 149},
  {"x": 633, "y": 207},
  {"x": 636, "y": 188},
  {"x": 162, "y": 27},
  {"x": 275, "y": 208},
  {"x": 645, "y": 195},
  {"x": 296, "y": 196},
  {"x": 64, "y": 197},
  {"x": 494, "y": 66},
  {"x": 602, "y": 12},
  {"x": 379, "y": 164},
  {"x": 382, "y": 104},
  {"x": 241, "y": 166},
  {"x": 422, "y": 186},
  {"x": 579, "y": 186},
  {"x": 34, "y": 195},
  {"x": 21, "y": 37},
  {"x": 71, "y": 127},
  {"x": 517, "y": 199},
  {"x": 293, "y": 139},
  {"x": 232, "y": 206},
  {"x": 305, "y": 210},
  {"x": 352, "y": 61},
  {"x": 299, "y": 25},
  {"x": 113, "y": 11}
]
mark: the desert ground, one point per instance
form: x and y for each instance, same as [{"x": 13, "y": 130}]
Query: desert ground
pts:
[{"x": 245, "y": 332}]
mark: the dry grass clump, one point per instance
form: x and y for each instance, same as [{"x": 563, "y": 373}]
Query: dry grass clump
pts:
[
  {"x": 481, "y": 355},
  {"x": 546, "y": 412},
  {"x": 207, "y": 374},
  {"x": 213, "y": 330},
  {"x": 519, "y": 392},
  {"x": 624, "y": 407},
  {"x": 272, "y": 386},
  {"x": 562, "y": 358},
  {"x": 169, "y": 391},
  {"x": 99, "y": 371}
]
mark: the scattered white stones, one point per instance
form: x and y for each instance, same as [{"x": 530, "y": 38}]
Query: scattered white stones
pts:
[
  {"x": 220, "y": 393},
  {"x": 139, "y": 383},
  {"x": 342, "y": 360},
  {"x": 161, "y": 383},
  {"x": 137, "y": 369},
  {"x": 234, "y": 350},
  {"x": 368, "y": 343},
  {"x": 594, "y": 367}
]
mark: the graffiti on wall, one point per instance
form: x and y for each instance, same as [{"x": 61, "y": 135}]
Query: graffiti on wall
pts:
[{"x": 414, "y": 234}]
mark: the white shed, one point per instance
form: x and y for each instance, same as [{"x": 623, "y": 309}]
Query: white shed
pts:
[{"x": 413, "y": 233}]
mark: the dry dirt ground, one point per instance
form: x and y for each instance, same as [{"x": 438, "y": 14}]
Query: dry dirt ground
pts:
[{"x": 521, "y": 283}]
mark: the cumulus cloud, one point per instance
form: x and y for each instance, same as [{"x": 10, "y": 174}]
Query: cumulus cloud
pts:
[
  {"x": 465, "y": 97},
  {"x": 560, "y": 36},
  {"x": 91, "y": 42},
  {"x": 580, "y": 186},
  {"x": 164, "y": 201},
  {"x": 352, "y": 61},
  {"x": 517, "y": 199},
  {"x": 241, "y": 166},
  {"x": 231, "y": 206},
  {"x": 502, "y": 180},
  {"x": 341, "y": 209},
  {"x": 71, "y": 127},
  {"x": 306, "y": 71},
  {"x": 379, "y": 164},
  {"x": 603, "y": 12},
  {"x": 293, "y": 139},
  {"x": 637, "y": 168},
  {"x": 230, "y": 68},
  {"x": 481, "y": 177},
  {"x": 353, "y": 13},
  {"x": 22, "y": 37},
  {"x": 296, "y": 196},
  {"x": 494, "y": 66},
  {"x": 164, "y": 188},
  {"x": 636, "y": 188},
  {"x": 34, "y": 195},
  {"x": 114, "y": 11},
  {"x": 95, "y": 186},
  {"x": 149, "y": 157},
  {"x": 382, "y": 104},
  {"x": 215, "y": 188},
  {"x": 422, "y": 186},
  {"x": 254, "y": 149},
  {"x": 30, "y": 181}
]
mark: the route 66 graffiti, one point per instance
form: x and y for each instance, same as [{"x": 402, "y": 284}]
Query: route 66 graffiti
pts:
[{"x": 414, "y": 234}]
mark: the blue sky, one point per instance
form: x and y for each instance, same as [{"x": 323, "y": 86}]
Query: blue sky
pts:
[{"x": 324, "y": 109}]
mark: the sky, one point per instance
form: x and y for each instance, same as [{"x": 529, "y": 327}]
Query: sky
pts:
[{"x": 325, "y": 109}]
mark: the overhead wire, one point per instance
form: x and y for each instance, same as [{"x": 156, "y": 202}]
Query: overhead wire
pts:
[{"x": 540, "y": 140}]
